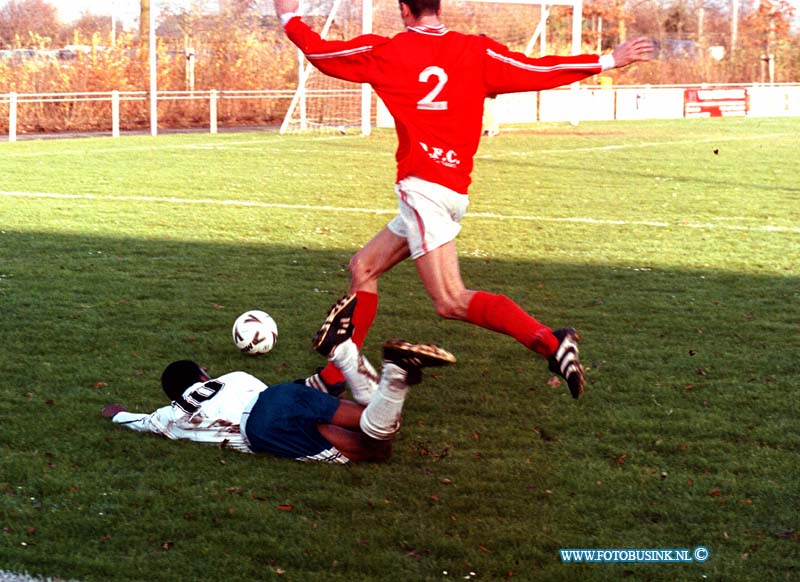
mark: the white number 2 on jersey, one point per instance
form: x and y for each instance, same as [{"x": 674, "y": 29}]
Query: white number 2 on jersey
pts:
[{"x": 428, "y": 102}]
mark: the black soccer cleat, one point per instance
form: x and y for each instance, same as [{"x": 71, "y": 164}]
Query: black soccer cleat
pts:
[
  {"x": 413, "y": 357},
  {"x": 338, "y": 326},
  {"x": 317, "y": 382},
  {"x": 565, "y": 361}
]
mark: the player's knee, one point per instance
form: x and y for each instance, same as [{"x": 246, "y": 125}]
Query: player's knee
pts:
[{"x": 360, "y": 271}]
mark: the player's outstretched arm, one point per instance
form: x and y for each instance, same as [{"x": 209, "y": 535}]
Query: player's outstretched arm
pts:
[
  {"x": 111, "y": 410},
  {"x": 631, "y": 51},
  {"x": 350, "y": 60},
  {"x": 139, "y": 422}
]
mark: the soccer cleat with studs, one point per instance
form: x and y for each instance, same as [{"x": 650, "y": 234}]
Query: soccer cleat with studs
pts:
[
  {"x": 317, "y": 382},
  {"x": 413, "y": 357},
  {"x": 565, "y": 361},
  {"x": 337, "y": 328}
]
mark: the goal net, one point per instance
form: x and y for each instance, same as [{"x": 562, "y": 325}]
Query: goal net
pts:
[{"x": 322, "y": 103}]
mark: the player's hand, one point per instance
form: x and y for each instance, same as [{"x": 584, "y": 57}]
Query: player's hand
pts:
[
  {"x": 631, "y": 51},
  {"x": 285, "y": 6},
  {"x": 111, "y": 410}
]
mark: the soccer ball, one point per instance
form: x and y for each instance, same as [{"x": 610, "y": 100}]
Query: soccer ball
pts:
[{"x": 255, "y": 332}]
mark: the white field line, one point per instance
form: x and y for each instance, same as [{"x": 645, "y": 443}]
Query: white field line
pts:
[
  {"x": 641, "y": 145},
  {"x": 250, "y": 145},
  {"x": 6, "y": 576},
  {"x": 357, "y": 210},
  {"x": 214, "y": 146}
]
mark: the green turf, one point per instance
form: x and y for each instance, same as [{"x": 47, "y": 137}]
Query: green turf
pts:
[{"x": 672, "y": 245}]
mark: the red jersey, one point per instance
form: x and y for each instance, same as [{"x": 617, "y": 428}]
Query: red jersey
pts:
[{"x": 434, "y": 82}]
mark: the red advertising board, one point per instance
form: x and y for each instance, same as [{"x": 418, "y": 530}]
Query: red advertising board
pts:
[{"x": 715, "y": 102}]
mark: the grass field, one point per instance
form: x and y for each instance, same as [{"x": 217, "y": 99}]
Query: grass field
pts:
[{"x": 674, "y": 246}]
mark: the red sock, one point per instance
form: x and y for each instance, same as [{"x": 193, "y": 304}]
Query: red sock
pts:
[
  {"x": 363, "y": 316},
  {"x": 499, "y": 313}
]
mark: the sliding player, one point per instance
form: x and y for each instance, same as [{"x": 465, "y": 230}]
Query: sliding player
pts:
[{"x": 240, "y": 412}]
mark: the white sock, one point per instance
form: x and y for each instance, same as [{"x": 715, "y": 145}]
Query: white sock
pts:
[
  {"x": 361, "y": 377},
  {"x": 381, "y": 418}
]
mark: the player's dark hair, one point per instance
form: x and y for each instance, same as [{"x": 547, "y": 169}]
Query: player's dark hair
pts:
[
  {"x": 420, "y": 7},
  {"x": 178, "y": 376}
]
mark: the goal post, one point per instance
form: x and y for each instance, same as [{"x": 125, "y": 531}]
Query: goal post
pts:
[
  {"x": 304, "y": 70},
  {"x": 322, "y": 103}
]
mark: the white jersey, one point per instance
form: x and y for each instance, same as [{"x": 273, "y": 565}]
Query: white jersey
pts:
[{"x": 207, "y": 412}]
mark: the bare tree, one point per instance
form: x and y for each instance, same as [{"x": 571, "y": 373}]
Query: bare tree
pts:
[
  {"x": 90, "y": 24},
  {"x": 188, "y": 21},
  {"x": 767, "y": 36},
  {"x": 20, "y": 20}
]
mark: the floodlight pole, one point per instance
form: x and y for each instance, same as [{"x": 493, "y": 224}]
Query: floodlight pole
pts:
[
  {"x": 577, "y": 27},
  {"x": 153, "y": 72},
  {"x": 366, "y": 89},
  {"x": 577, "y": 48}
]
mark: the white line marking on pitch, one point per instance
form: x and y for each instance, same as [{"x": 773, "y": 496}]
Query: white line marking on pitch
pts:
[
  {"x": 325, "y": 208},
  {"x": 642, "y": 145},
  {"x": 278, "y": 146},
  {"x": 212, "y": 146}
]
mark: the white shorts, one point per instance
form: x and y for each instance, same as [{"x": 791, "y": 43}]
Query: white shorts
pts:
[{"x": 430, "y": 214}]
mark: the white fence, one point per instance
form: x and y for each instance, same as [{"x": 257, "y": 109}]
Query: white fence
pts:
[
  {"x": 603, "y": 103},
  {"x": 583, "y": 104},
  {"x": 212, "y": 97}
]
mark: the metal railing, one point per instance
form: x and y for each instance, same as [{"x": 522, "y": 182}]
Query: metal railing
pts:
[
  {"x": 213, "y": 96},
  {"x": 619, "y": 102}
]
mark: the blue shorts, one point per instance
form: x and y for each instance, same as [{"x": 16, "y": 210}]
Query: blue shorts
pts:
[{"x": 284, "y": 419}]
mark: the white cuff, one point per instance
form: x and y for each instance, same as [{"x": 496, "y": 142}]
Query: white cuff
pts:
[
  {"x": 607, "y": 62},
  {"x": 285, "y": 18}
]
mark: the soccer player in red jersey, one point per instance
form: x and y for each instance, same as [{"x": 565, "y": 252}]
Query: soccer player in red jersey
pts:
[{"x": 434, "y": 82}]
